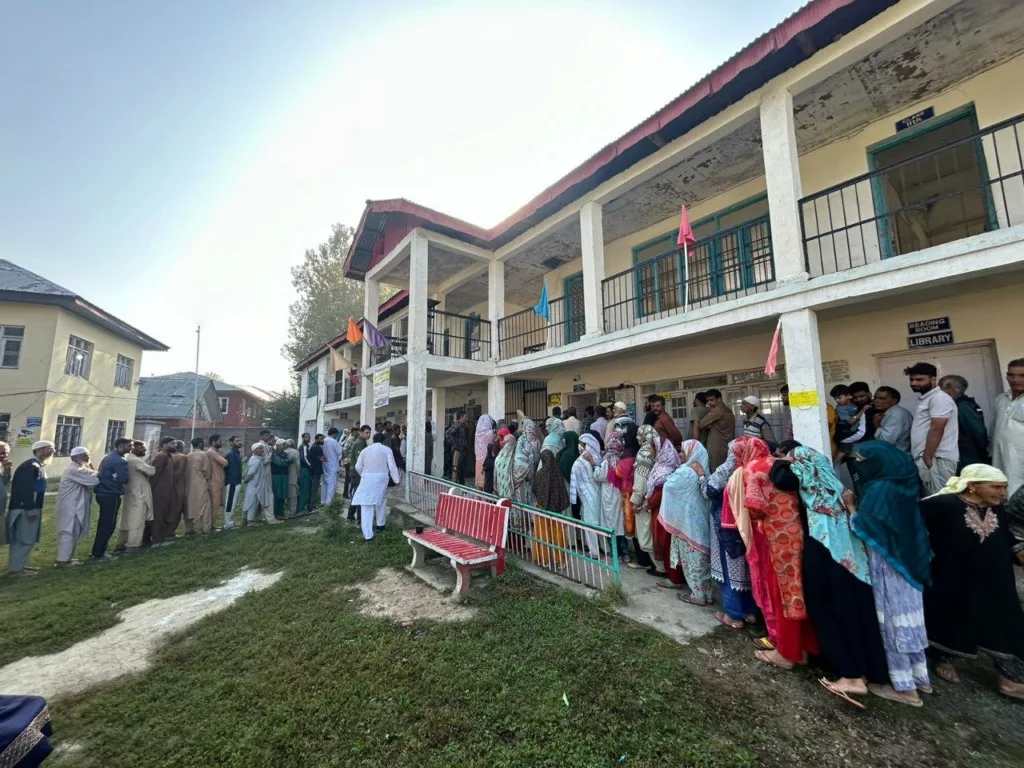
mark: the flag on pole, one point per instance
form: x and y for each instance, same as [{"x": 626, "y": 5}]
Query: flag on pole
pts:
[
  {"x": 374, "y": 338},
  {"x": 685, "y": 237},
  {"x": 353, "y": 375},
  {"x": 353, "y": 335},
  {"x": 541, "y": 308},
  {"x": 773, "y": 353}
]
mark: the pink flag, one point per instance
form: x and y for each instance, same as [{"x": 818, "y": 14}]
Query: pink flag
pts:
[
  {"x": 773, "y": 353},
  {"x": 685, "y": 230}
]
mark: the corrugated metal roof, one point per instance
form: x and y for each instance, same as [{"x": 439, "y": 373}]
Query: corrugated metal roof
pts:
[
  {"x": 170, "y": 396},
  {"x": 15, "y": 278}
]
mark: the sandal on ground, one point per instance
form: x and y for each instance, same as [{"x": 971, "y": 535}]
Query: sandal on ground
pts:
[
  {"x": 765, "y": 658},
  {"x": 948, "y": 673},
  {"x": 926, "y": 689},
  {"x": 764, "y": 644},
  {"x": 631, "y": 564},
  {"x": 889, "y": 693},
  {"x": 1017, "y": 694},
  {"x": 692, "y": 600},
  {"x": 668, "y": 585},
  {"x": 835, "y": 689},
  {"x": 721, "y": 618}
]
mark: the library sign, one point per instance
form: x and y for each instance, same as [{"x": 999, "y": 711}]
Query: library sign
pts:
[{"x": 936, "y": 332}]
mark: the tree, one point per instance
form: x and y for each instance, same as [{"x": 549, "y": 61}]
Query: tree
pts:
[
  {"x": 282, "y": 413},
  {"x": 326, "y": 297},
  {"x": 213, "y": 376}
]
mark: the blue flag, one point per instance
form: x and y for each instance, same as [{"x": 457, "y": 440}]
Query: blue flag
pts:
[{"x": 541, "y": 307}]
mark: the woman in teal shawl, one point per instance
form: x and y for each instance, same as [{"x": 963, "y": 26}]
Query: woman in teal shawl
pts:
[
  {"x": 527, "y": 457},
  {"x": 503, "y": 465},
  {"x": 686, "y": 515},
  {"x": 889, "y": 521},
  {"x": 555, "y": 440}
]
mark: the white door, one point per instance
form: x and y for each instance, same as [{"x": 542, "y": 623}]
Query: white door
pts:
[{"x": 975, "y": 362}]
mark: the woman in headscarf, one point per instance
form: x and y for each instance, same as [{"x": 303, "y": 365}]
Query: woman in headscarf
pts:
[
  {"x": 611, "y": 484},
  {"x": 972, "y": 605},
  {"x": 768, "y": 520},
  {"x": 493, "y": 449},
  {"x": 484, "y": 437},
  {"x": 728, "y": 555},
  {"x": 504, "y": 463},
  {"x": 836, "y": 576},
  {"x": 665, "y": 463},
  {"x": 527, "y": 457},
  {"x": 685, "y": 514},
  {"x": 551, "y": 494},
  {"x": 555, "y": 439},
  {"x": 887, "y": 519},
  {"x": 584, "y": 490},
  {"x": 643, "y": 540},
  {"x": 566, "y": 458}
]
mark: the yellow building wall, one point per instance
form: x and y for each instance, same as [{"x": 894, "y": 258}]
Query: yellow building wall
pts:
[
  {"x": 95, "y": 400},
  {"x": 856, "y": 338},
  {"x": 23, "y": 389}
]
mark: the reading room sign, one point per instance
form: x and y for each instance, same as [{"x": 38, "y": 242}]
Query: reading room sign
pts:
[{"x": 936, "y": 332}]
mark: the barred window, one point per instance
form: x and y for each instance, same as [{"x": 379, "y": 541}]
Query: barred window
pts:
[
  {"x": 11, "y": 337},
  {"x": 123, "y": 372},
  {"x": 115, "y": 431},
  {"x": 68, "y": 435},
  {"x": 79, "y": 357}
]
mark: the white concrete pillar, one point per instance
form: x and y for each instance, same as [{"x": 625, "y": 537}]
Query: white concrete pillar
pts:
[
  {"x": 495, "y": 304},
  {"x": 418, "y": 297},
  {"x": 496, "y": 397},
  {"x": 782, "y": 176},
  {"x": 371, "y": 303},
  {"x": 592, "y": 242},
  {"x": 416, "y": 418},
  {"x": 438, "y": 405},
  {"x": 805, "y": 379}
]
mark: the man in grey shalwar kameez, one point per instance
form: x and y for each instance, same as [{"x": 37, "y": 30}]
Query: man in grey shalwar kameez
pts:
[
  {"x": 74, "y": 505},
  {"x": 258, "y": 492}
]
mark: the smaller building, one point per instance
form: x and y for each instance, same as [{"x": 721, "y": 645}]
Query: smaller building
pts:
[
  {"x": 68, "y": 369},
  {"x": 170, "y": 400},
  {"x": 241, "y": 405}
]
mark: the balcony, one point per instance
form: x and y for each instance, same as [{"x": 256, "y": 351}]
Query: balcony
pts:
[
  {"x": 723, "y": 266},
  {"x": 526, "y": 332},
  {"x": 467, "y": 337},
  {"x": 342, "y": 389},
  {"x": 949, "y": 183}
]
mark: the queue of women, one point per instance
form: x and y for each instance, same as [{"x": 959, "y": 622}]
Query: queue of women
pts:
[{"x": 875, "y": 582}]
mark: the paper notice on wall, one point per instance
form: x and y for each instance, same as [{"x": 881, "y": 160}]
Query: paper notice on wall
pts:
[
  {"x": 807, "y": 399},
  {"x": 28, "y": 434},
  {"x": 836, "y": 371},
  {"x": 381, "y": 388}
]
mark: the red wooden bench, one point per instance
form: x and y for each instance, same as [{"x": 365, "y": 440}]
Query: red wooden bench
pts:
[{"x": 471, "y": 533}]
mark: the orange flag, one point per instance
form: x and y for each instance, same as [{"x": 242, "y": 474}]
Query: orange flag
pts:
[{"x": 354, "y": 335}]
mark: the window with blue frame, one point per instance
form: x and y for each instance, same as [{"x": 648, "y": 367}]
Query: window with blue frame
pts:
[{"x": 732, "y": 253}]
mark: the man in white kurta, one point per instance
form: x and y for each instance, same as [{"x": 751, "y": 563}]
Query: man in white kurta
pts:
[
  {"x": 137, "y": 507},
  {"x": 293, "y": 477},
  {"x": 74, "y": 504},
  {"x": 332, "y": 463},
  {"x": 258, "y": 492},
  {"x": 375, "y": 465},
  {"x": 1008, "y": 432}
]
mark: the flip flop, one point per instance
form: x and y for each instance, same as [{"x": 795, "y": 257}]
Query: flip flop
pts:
[
  {"x": 764, "y": 644},
  {"x": 764, "y": 658},
  {"x": 692, "y": 601},
  {"x": 721, "y": 618},
  {"x": 835, "y": 689},
  {"x": 951, "y": 676},
  {"x": 888, "y": 693}
]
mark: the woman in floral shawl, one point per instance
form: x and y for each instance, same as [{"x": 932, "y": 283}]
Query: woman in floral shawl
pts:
[
  {"x": 836, "y": 577},
  {"x": 555, "y": 439},
  {"x": 768, "y": 520},
  {"x": 504, "y": 484},
  {"x": 527, "y": 456},
  {"x": 643, "y": 539},
  {"x": 728, "y": 555},
  {"x": 685, "y": 513},
  {"x": 665, "y": 464},
  {"x": 611, "y": 484},
  {"x": 584, "y": 490}
]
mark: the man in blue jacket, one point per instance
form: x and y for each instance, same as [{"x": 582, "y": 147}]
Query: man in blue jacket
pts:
[
  {"x": 28, "y": 488},
  {"x": 113, "y": 475},
  {"x": 232, "y": 480}
]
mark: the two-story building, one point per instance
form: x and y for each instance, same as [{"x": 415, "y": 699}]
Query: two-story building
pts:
[
  {"x": 68, "y": 369},
  {"x": 854, "y": 176},
  {"x": 240, "y": 406}
]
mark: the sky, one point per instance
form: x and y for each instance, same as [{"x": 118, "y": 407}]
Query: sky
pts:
[{"x": 171, "y": 161}]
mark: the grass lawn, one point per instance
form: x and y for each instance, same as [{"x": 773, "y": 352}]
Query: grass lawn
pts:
[{"x": 296, "y": 676}]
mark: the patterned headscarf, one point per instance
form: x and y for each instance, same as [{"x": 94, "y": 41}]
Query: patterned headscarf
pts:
[
  {"x": 503, "y": 466},
  {"x": 665, "y": 464},
  {"x": 972, "y": 473},
  {"x": 484, "y": 436},
  {"x": 590, "y": 445},
  {"x": 650, "y": 444},
  {"x": 555, "y": 440},
  {"x": 613, "y": 450},
  {"x": 527, "y": 452},
  {"x": 720, "y": 477},
  {"x": 548, "y": 485},
  {"x": 685, "y": 512}
]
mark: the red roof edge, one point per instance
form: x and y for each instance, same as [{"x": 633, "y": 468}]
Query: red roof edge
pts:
[{"x": 800, "y": 21}]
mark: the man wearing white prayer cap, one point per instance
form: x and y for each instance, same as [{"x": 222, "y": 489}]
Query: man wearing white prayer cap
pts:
[
  {"x": 28, "y": 488},
  {"x": 754, "y": 424},
  {"x": 74, "y": 505}
]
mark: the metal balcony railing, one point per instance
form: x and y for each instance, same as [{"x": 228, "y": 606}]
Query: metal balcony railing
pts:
[
  {"x": 962, "y": 188},
  {"x": 723, "y": 266},
  {"x": 525, "y": 332},
  {"x": 462, "y": 336}
]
